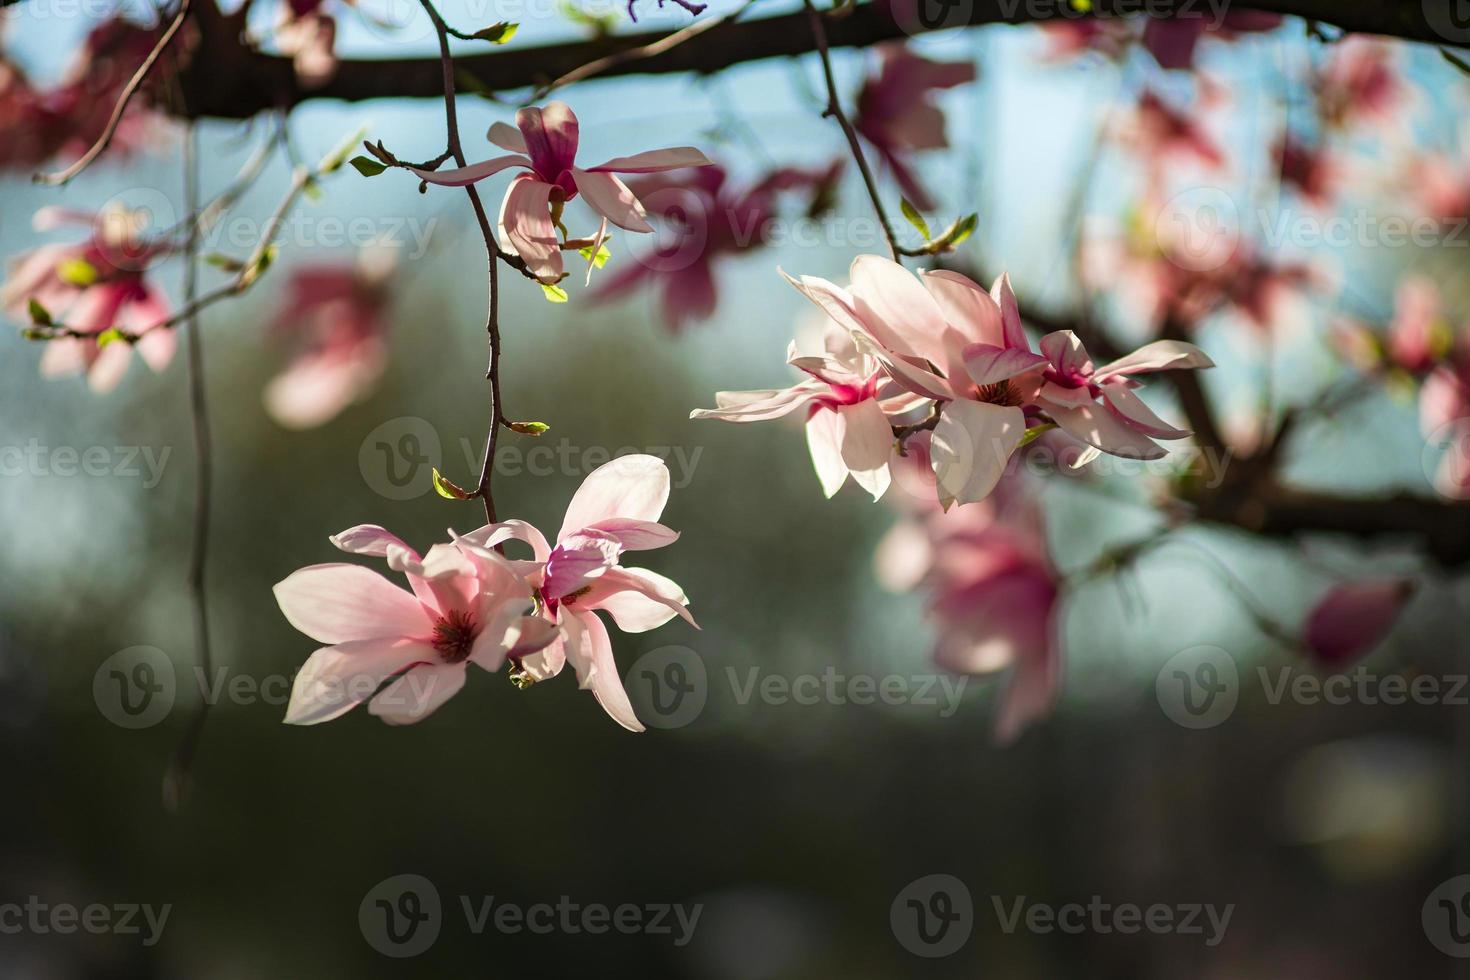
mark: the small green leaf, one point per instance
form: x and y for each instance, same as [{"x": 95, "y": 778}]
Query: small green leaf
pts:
[
  {"x": 263, "y": 263},
  {"x": 914, "y": 217},
  {"x": 109, "y": 335},
  {"x": 312, "y": 190},
  {"x": 225, "y": 262},
  {"x": 497, "y": 33},
  {"x": 77, "y": 272},
  {"x": 447, "y": 489},
  {"x": 602, "y": 254},
  {"x": 554, "y": 293},
  {"x": 333, "y": 161},
  {"x": 367, "y": 167},
  {"x": 40, "y": 316},
  {"x": 961, "y": 229},
  {"x": 530, "y": 428}
]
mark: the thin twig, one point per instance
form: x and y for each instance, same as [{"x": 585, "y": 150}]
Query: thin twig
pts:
[
  {"x": 599, "y": 65},
  {"x": 176, "y": 780},
  {"x": 63, "y": 176},
  {"x": 834, "y": 109},
  {"x": 493, "y": 255}
]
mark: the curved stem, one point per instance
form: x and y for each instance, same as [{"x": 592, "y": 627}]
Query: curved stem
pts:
[
  {"x": 834, "y": 109},
  {"x": 136, "y": 82}
]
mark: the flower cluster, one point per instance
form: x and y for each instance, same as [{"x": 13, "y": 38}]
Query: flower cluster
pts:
[
  {"x": 939, "y": 346},
  {"x": 544, "y": 145},
  {"x": 407, "y": 652},
  {"x": 95, "y": 284}
]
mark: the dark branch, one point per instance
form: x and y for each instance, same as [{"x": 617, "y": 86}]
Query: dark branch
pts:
[{"x": 228, "y": 81}]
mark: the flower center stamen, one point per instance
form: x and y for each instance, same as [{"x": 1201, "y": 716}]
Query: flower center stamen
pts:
[
  {"x": 454, "y": 636},
  {"x": 999, "y": 393}
]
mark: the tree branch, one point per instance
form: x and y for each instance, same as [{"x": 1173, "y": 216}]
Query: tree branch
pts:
[{"x": 227, "y": 81}]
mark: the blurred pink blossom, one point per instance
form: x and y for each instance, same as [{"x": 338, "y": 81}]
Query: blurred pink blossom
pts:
[
  {"x": 1351, "y": 619},
  {"x": 896, "y": 112},
  {"x": 91, "y": 286},
  {"x": 336, "y": 318}
]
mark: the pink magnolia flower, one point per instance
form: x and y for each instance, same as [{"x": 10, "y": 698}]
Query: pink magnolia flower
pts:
[
  {"x": 337, "y": 318},
  {"x": 1312, "y": 171},
  {"x": 308, "y": 34},
  {"x": 847, "y": 430},
  {"x": 91, "y": 286},
  {"x": 992, "y": 587},
  {"x": 1167, "y": 137},
  {"x": 462, "y": 609},
  {"x": 941, "y": 336},
  {"x": 1352, "y": 618},
  {"x": 1419, "y": 340},
  {"x": 546, "y": 148},
  {"x": 896, "y": 112},
  {"x": 1359, "y": 84},
  {"x": 65, "y": 119},
  {"x": 706, "y": 218},
  {"x": 614, "y": 511},
  {"x": 1068, "y": 37},
  {"x": 1172, "y": 40}
]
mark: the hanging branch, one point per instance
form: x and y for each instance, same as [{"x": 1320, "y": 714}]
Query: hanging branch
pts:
[
  {"x": 493, "y": 255},
  {"x": 834, "y": 109},
  {"x": 61, "y": 177},
  {"x": 176, "y": 780}
]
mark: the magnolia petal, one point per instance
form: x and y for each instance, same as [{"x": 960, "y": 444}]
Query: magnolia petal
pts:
[
  {"x": 337, "y": 603},
  {"x": 371, "y": 540},
  {"x": 1161, "y": 355},
  {"x": 507, "y": 137},
  {"x": 987, "y": 364},
  {"x": 758, "y": 406},
  {"x": 919, "y": 380},
  {"x": 636, "y": 535},
  {"x": 551, "y": 133},
  {"x": 512, "y": 530},
  {"x": 525, "y": 222},
  {"x": 1131, "y": 409},
  {"x": 897, "y": 308},
  {"x": 824, "y": 442},
  {"x": 611, "y": 198},
  {"x": 590, "y": 651},
  {"x": 967, "y": 309},
  {"x": 108, "y": 369},
  {"x": 652, "y": 161},
  {"x": 1099, "y": 427},
  {"x": 634, "y": 486},
  {"x": 639, "y": 600},
  {"x": 867, "y": 443},
  {"x": 475, "y": 172},
  {"x": 1010, "y": 312},
  {"x": 336, "y": 679},
  {"x": 418, "y": 693},
  {"x": 1065, "y": 350},
  {"x": 971, "y": 446}
]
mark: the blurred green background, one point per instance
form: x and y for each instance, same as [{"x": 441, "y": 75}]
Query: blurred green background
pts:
[{"x": 795, "y": 826}]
